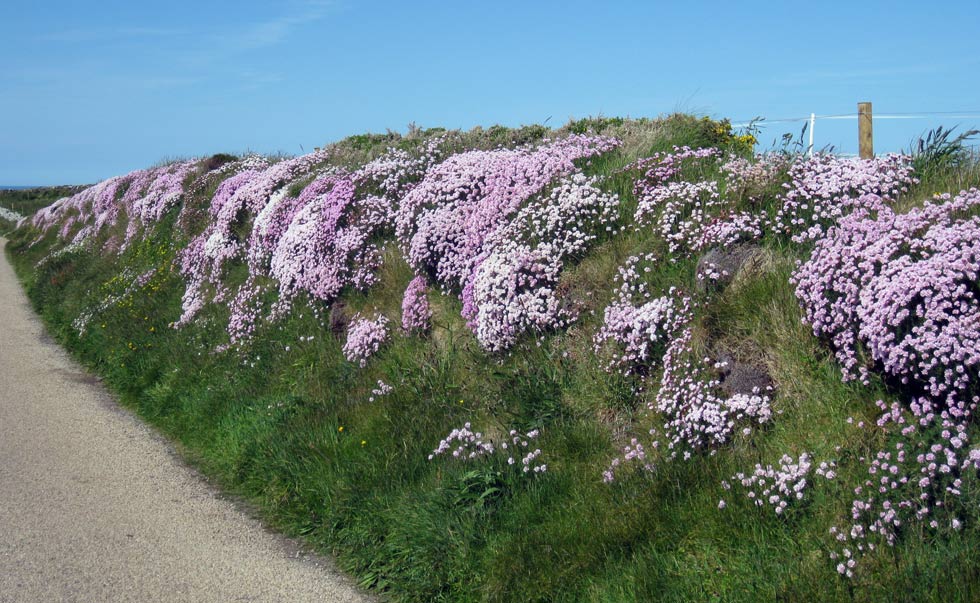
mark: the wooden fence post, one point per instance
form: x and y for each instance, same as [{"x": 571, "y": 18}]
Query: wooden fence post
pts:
[{"x": 866, "y": 142}]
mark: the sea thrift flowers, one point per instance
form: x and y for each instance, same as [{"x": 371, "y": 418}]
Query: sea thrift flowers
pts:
[
  {"x": 381, "y": 389},
  {"x": 466, "y": 444},
  {"x": 513, "y": 287},
  {"x": 365, "y": 337},
  {"x": 637, "y": 328},
  {"x": 779, "y": 487},
  {"x": 824, "y": 188},
  {"x": 919, "y": 478},
  {"x": 443, "y": 222},
  {"x": 897, "y": 286},
  {"x": 695, "y": 413},
  {"x": 416, "y": 313}
]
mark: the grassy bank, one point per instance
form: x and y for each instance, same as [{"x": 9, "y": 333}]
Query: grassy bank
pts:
[
  {"x": 284, "y": 419},
  {"x": 27, "y": 201}
]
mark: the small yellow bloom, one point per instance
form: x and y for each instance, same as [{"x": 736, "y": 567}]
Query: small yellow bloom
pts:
[
  {"x": 363, "y": 442},
  {"x": 341, "y": 428}
]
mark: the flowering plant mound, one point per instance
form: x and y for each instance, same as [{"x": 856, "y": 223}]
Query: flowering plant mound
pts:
[
  {"x": 824, "y": 188},
  {"x": 416, "y": 313},
  {"x": 234, "y": 206},
  {"x": 327, "y": 244},
  {"x": 919, "y": 478},
  {"x": 680, "y": 208},
  {"x": 513, "y": 287},
  {"x": 146, "y": 196},
  {"x": 365, "y": 336},
  {"x": 697, "y": 414},
  {"x": 636, "y": 336},
  {"x": 443, "y": 222},
  {"x": 693, "y": 214},
  {"x": 396, "y": 172},
  {"x": 681, "y": 164},
  {"x": 317, "y": 243},
  {"x": 903, "y": 287}
]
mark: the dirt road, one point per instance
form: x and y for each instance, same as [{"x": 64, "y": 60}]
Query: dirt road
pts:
[{"x": 94, "y": 506}]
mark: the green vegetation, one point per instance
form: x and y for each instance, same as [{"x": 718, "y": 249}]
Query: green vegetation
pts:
[
  {"x": 290, "y": 425},
  {"x": 27, "y": 201}
]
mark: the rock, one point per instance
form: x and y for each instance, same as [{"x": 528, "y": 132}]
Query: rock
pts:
[
  {"x": 718, "y": 267},
  {"x": 739, "y": 377},
  {"x": 339, "y": 319}
]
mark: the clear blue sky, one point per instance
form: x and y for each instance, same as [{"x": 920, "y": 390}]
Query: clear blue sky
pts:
[{"x": 93, "y": 89}]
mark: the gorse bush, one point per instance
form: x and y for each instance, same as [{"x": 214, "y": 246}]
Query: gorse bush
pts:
[{"x": 697, "y": 372}]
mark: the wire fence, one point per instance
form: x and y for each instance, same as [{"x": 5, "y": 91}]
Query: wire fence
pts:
[
  {"x": 915, "y": 115},
  {"x": 841, "y": 140}
]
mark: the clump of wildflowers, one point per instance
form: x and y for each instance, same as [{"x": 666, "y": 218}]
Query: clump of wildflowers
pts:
[
  {"x": 898, "y": 286},
  {"x": 696, "y": 415},
  {"x": 381, "y": 389},
  {"x": 636, "y": 327},
  {"x": 896, "y": 293},
  {"x": 416, "y": 313},
  {"x": 823, "y": 188},
  {"x": 513, "y": 287},
  {"x": 466, "y": 444},
  {"x": 463, "y": 444},
  {"x": 679, "y": 211},
  {"x": 918, "y": 478},
  {"x": 779, "y": 487},
  {"x": 443, "y": 222},
  {"x": 365, "y": 336}
]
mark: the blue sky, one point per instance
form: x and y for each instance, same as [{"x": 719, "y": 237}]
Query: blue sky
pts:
[{"x": 94, "y": 89}]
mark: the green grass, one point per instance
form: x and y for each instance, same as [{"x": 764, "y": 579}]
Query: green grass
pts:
[
  {"x": 28, "y": 201},
  {"x": 293, "y": 430}
]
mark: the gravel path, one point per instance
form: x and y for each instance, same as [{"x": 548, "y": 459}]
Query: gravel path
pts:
[{"x": 94, "y": 506}]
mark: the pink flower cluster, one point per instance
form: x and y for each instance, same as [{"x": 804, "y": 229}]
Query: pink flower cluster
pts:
[
  {"x": 691, "y": 213},
  {"x": 146, "y": 195},
  {"x": 683, "y": 163},
  {"x": 315, "y": 244},
  {"x": 397, "y": 171},
  {"x": 679, "y": 211},
  {"x": 328, "y": 243},
  {"x": 416, "y": 313},
  {"x": 466, "y": 444},
  {"x": 633, "y": 336},
  {"x": 919, "y": 478},
  {"x": 513, "y": 287},
  {"x": 380, "y": 390},
  {"x": 696, "y": 414},
  {"x": 824, "y": 188},
  {"x": 779, "y": 487},
  {"x": 443, "y": 222},
  {"x": 365, "y": 336},
  {"x": 233, "y": 209},
  {"x": 901, "y": 286}
]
